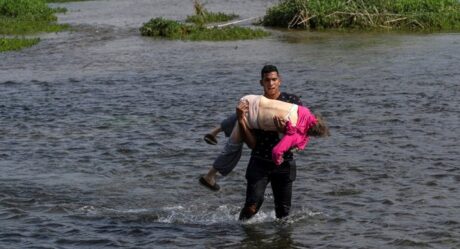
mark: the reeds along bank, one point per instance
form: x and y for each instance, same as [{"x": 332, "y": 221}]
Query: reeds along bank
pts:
[{"x": 362, "y": 14}]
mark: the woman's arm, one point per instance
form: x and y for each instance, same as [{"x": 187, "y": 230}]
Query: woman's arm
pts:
[{"x": 246, "y": 133}]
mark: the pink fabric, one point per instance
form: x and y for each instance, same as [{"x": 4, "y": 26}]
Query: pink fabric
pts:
[{"x": 295, "y": 136}]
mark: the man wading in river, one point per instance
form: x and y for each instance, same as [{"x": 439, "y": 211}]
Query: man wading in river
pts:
[{"x": 261, "y": 169}]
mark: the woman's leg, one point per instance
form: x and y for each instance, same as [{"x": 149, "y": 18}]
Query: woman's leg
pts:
[
  {"x": 228, "y": 158},
  {"x": 231, "y": 153}
]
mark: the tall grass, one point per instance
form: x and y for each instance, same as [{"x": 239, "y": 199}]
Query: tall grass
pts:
[
  {"x": 203, "y": 16},
  {"x": 365, "y": 14}
]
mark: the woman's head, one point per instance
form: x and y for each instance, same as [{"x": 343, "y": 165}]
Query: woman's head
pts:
[{"x": 320, "y": 129}]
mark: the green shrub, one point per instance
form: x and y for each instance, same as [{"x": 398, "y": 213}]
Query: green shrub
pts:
[
  {"x": 164, "y": 28},
  {"x": 170, "y": 29},
  {"x": 159, "y": 27}
]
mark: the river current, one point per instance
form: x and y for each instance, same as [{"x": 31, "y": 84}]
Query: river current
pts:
[{"x": 101, "y": 135}]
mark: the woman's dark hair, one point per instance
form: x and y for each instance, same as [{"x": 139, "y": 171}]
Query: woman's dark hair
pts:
[
  {"x": 320, "y": 129},
  {"x": 268, "y": 69}
]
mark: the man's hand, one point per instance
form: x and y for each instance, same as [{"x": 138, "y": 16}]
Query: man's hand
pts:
[
  {"x": 241, "y": 110},
  {"x": 280, "y": 124}
]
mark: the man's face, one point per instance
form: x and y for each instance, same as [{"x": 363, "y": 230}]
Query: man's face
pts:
[{"x": 271, "y": 84}]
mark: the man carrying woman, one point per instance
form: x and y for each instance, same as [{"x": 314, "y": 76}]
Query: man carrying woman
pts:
[{"x": 258, "y": 121}]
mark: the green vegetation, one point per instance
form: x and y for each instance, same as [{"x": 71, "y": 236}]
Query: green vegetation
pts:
[
  {"x": 11, "y": 26},
  {"x": 203, "y": 16},
  {"x": 10, "y": 44},
  {"x": 26, "y": 9},
  {"x": 170, "y": 29},
  {"x": 197, "y": 31},
  {"x": 59, "y": 10},
  {"x": 211, "y": 17},
  {"x": 63, "y": 1},
  {"x": 366, "y": 14},
  {"x": 19, "y": 17}
]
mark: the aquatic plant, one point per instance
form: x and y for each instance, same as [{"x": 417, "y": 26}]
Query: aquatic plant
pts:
[
  {"x": 10, "y": 44},
  {"x": 226, "y": 34},
  {"x": 165, "y": 28},
  {"x": 26, "y": 17},
  {"x": 365, "y": 14},
  {"x": 203, "y": 16},
  {"x": 159, "y": 27},
  {"x": 27, "y": 9}
]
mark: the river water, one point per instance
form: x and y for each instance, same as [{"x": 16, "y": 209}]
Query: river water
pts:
[{"x": 101, "y": 136}]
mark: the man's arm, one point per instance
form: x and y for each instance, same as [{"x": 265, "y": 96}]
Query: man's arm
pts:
[{"x": 246, "y": 133}]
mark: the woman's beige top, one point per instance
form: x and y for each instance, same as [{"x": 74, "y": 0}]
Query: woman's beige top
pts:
[{"x": 262, "y": 110}]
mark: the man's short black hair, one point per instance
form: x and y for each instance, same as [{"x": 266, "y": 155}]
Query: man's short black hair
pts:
[{"x": 268, "y": 69}]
